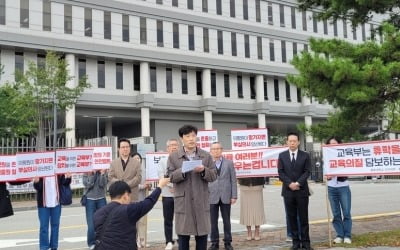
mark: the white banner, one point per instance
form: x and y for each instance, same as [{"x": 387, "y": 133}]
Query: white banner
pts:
[
  {"x": 205, "y": 138},
  {"x": 102, "y": 157},
  {"x": 74, "y": 161},
  {"x": 8, "y": 167},
  {"x": 152, "y": 164},
  {"x": 365, "y": 158},
  {"x": 255, "y": 162},
  {"x": 249, "y": 138},
  {"x": 31, "y": 165}
]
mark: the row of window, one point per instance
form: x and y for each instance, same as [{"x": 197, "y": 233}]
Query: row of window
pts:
[
  {"x": 88, "y": 29},
  {"x": 101, "y": 79}
]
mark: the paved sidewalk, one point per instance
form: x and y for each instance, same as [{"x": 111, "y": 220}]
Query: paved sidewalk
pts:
[{"x": 275, "y": 238}]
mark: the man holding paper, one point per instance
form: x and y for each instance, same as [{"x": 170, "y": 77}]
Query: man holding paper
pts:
[{"x": 191, "y": 169}]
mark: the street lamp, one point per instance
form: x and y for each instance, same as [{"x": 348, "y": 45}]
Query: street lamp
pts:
[{"x": 98, "y": 122}]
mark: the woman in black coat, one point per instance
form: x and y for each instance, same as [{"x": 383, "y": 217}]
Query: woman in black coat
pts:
[{"x": 5, "y": 201}]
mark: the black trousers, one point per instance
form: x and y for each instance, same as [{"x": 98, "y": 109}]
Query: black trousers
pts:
[
  {"x": 226, "y": 218},
  {"x": 201, "y": 242},
  {"x": 297, "y": 206},
  {"x": 168, "y": 214}
]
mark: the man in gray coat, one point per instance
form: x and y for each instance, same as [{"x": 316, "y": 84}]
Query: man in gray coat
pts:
[
  {"x": 191, "y": 198},
  {"x": 223, "y": 193}
]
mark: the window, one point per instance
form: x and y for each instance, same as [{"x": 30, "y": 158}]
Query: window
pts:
[
  {"x": 372, "y": 31},
  {"x": 81, "y": 69},
  {"x": 143, "y": 31},
  {"x": 354, "y": 33},
  {"x": 276, "y": 89},
  {"x": 191, "y": 37},
  {"x": 101, "y": 74},
  {"x": 88, "y": 22},
  {"x": 271, "y": 51},
  {"x": 252, "y": 88},
  {"x": 153, "y": 79},
  {"x": 160, "y": 35},
  {"x": 283, "y": 49},
  {"x": 304, "y": 20},
  {"x": 24, "y": 13},
  {"x": 213, "y": 84},
  {"x": 246, "y": 46},
  {"x": 175, "y": 3},
  {"x": 240, "y": 86},
  {"x": 363, "y": 36},
  {"x": 206, "y": 45},
  {"x": 219, "y": 7},
  {"x": 67, "y": 19},
  {"x": 184, "y": 81},
  {"x": 199, "y": 84},
  {"x": 287, "y": 86},
  {"x": 107, "y": 25},
  {"x": 19, "y": 65},
  {"x": 3, "y": 12},
  {"x": 159, "y": 2},
  {"x": 245, "y": 10},
  {"x": 294, "y": 49},
  {"x": 232, "y": 8},
  {"x": 205, "y": 6},
  {"x": 335, "y": 27},
  {"x": 258, "y": 11},
  {"x": 344, "y": 28},
  {"x": 325, "y": 22},
  {"x": 265, "y": 88},
  {"x": 293, "y": 17},
  {"x": 226, "y": 86},
  {"x": 190, "y": 4},
  {"x": 315, "y": 22},
  {"x": 136, "y": 77},
  {"x": 306, "y": 47},
  {"x": 46, "y": 15},
  {"x": 220, "y": 42},
  {"x": 125, "y": 28},
  {"x": 168, "y": 80},
  {"x": 41, "y": 61},
  {"x": 119, "y": 76},
  {"x": 259, "y": 48},
  {"x": 270, "y": 16},
  {"x": 175, "y": 36},
  {"x": 233, "y": 44},
  {"x": 298, "y": 95},
  {"x": 282, "y": 15}
]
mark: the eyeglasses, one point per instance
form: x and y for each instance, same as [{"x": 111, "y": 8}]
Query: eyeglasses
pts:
[{"x": 216, "y": 148}]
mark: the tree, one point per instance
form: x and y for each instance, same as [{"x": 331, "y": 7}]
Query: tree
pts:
[{"x": 38, "y": 90}]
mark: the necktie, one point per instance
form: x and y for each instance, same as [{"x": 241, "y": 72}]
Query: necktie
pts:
[{"x": 293, "y": 159}]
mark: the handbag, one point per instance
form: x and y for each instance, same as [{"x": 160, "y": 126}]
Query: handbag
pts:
[{"x": 84, "y": 196}]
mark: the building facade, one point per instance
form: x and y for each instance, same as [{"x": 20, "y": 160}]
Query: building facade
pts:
[{"x": 158, "y": 64}]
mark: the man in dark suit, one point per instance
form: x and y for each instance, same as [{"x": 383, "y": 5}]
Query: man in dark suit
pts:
[
  {"x": 294, "y": 169},
  {"x": 223, "y": 193}
]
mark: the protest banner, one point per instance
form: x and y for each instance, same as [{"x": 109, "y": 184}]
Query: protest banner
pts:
[
  {"x": 364, "y": 158},
  {"x": 35, "y": 164},
  {"x": 205, "y": 138},
  {"x": 8, "y": 168},
  {"x": 74, "y": 161},
  {"x": 152, "y": 164},
  {"x": 255, "y": 162},
  {"x": 243, "y": 139},
  {"x": 102, "y": 156}
]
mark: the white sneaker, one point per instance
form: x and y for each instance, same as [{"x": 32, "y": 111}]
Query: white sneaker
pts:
[
  {"x": 338, "y": 240},
  {"x": 169, "y": 246},
  {"x": 289, "y": 239},
  {"x": 347, "y": 240},
  {"x": 92, "y": 247}
]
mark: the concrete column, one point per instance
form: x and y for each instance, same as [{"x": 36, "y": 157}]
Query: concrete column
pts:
[
  {"x": 309, "y": 138},
  {"x": 261, "y": 121},
  {"x": 108, "y": 128},
  {"x": 208, "y": 119},
  {"x": 259, "y": 88},
  {"x": 144, "y": 78},
  {"x": 145, "y": 118},
  {"x": 306, "y": 100},
  {"x": 206, "y": 83},
  {"x": 70, "y": 113}
]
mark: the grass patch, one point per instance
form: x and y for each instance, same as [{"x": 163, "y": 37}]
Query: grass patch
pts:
[{"x": 387, "y": 238}]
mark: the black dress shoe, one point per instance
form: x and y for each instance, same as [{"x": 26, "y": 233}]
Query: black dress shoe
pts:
[
  {"x": 213, "y": 247},
  {"x": 228, "y": 247}
]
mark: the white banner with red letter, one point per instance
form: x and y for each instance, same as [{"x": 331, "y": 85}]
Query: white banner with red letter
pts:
[
  {"x": 36, "y": 164},
  {"x": 205, "y": 138},
  {"x": 255, "y": 162},
  {"x": 8, "y": 167},
  {"x": 74, "y": 161},
  {"x": 153, "y": 164},
  {"x": 249, "y": 138},
  {"x": 365, "y": 158}
]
